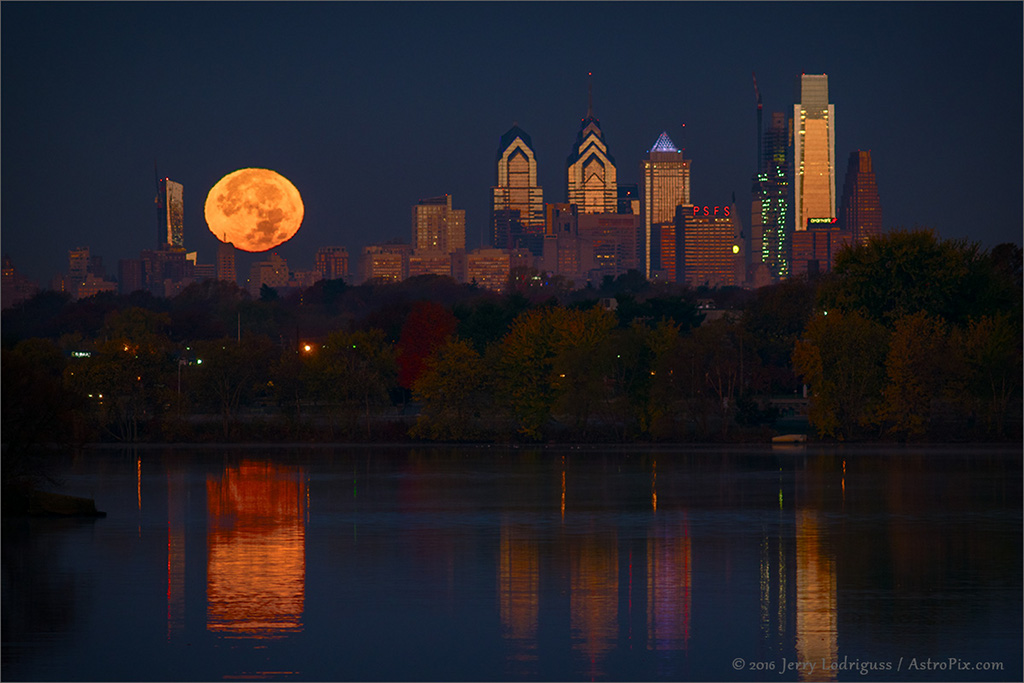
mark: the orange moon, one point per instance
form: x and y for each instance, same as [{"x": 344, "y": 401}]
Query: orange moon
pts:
[{"x": 255, "y": 209}]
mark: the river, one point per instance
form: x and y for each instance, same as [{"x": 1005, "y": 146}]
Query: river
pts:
[{"x": 495, "y": 563}]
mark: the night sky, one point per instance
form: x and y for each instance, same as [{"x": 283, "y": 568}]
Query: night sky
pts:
[{"x": 367, "y": 108}]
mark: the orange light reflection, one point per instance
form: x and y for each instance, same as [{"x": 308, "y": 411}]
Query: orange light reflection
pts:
[{"x": 256, "y": 563}]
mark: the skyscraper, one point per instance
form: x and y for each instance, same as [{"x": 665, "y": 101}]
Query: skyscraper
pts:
[
  {"x": 769, "y": 215},
  {"x": 331, "y": 263},
  {"x": 226, "y": 262},
  {"x": 860, "y": 212},
  {"x": 814, "y": 144},
  {"x": 436, "y": 226},
  {"x": 590, "y": 171},
  {"x": 666, "y": 185},
  {"x": 516, "y": 190},
  {"x": 170, "y": 214}
]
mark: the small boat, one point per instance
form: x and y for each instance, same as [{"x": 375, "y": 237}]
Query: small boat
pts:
[{"x": 790, "y": 438}]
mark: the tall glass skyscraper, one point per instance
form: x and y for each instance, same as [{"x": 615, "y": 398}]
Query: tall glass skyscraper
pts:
[
  {"x": 170, "y": 212},
  {"x": 814, "y": 145},
  {"x": 666, "y": 185},
  {"x": 769, "y": 215},
  {"x": 860, "y": 211},
  {"x": 590, "y": 171},
  {"x": 517, "y": 207}
]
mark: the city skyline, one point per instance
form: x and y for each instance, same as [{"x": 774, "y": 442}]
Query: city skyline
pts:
[{"x": 366, "y": 115}]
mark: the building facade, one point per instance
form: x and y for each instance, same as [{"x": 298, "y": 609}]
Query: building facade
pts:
[
  {"x": 384, "y": 262},
  {"x": 770, "y": 208},
  {"x": 517, "y": 202},
  {"x": 815, "y": 249},
  {"x": 709, "y": 249},
  {"x": 436, "y": 226},
  {"x": 226, "y": 269},
  {"x": 666, "y": 185},
  {"x": 814, "y": 172},
  {"x": 170, "y": 215},
  {"x": 860, "y": 212},
  {"x": 331, "y": 263},
  {"x": 591, "y": 181}
]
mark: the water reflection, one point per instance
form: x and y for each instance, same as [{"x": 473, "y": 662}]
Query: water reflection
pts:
[
  {"x": 669, "y": 586},
  {"x": 519, "y": 590},
  {"x": 176, "y": 497},
  {"x": 593, "y": 596},
  {"x": 256, "y": 563},
  {"x": 816, "y": 618}
]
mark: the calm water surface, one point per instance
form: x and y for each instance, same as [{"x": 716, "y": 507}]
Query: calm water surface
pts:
[{"x": 499, "y": 564}]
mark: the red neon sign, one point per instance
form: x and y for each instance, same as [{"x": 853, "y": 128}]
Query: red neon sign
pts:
[{"x": 710, "y": 210}]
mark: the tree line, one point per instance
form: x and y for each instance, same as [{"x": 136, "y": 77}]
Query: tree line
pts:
[{"x": 909, "y": 337}]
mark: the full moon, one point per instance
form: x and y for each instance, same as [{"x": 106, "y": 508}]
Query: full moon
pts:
[{"x": 254, "y": 208}]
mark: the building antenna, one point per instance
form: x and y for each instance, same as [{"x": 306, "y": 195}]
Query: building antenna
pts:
[{"x": 590, "y": 94}]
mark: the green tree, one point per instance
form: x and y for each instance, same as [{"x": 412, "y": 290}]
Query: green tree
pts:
[
  {"x": 452, "y": 390},
  {"x": 903, "y": 272},
  {"x": 127, "y": 379},
  {"x": 354, "y": 371},
  {"x": 842, "y": 358},
  {"x": 232, "y": 373},
  {"x": 543, "y": 359}
]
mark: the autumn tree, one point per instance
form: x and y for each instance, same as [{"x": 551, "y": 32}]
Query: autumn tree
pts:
[
  {"x": 842, "y": 358},
  {"x": 426, "y": 328},
  {"x": 920, "y": 367}
]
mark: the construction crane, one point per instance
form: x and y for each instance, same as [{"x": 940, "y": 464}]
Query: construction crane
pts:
[{"x": 757, "y": 92}]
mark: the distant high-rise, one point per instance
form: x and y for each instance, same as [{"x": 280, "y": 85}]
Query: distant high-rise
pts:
[
  {"x": 331, "y": 263},
  {"x": 590, "y": 170},
  {"x": 436, "y": 226},
  {"x": 170, "y": 212},
  {"x": 814, "y": 144},
  {"x": 666, "y": 185},
  {"x": 226, "y": 263},
  {"x": 860, "y": 212},
  {"x": 769, "y": 214},
  {"x": 517, "y": 206}
]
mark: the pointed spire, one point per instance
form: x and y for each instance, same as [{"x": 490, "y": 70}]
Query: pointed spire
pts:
[{"x": 664, "y": 144}]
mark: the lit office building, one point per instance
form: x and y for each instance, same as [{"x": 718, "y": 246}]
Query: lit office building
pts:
[
  {"x": 590, "y": 170},
  {"x": 331, "y": 263},
  {"x": 517, "y": 206},
  {"x": 769, "y": 214},
  {"x": 170, "y": 212},
  {"x": 860, "y": 212},
  {"x": 384, "y": 262},
  {"x": 16, "y": 287},
  {"x": 422, "y": 262},
  {"x": 436, "y": 226},
  {"x": 709, "y": 246},
  {"x": 272, "y": 272},
  {"x": 666, "y": 185},
  {"x": 226, "y": 263},
  {"x": 814, "y": 179},
  {"x": 614, "y": 242}
]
